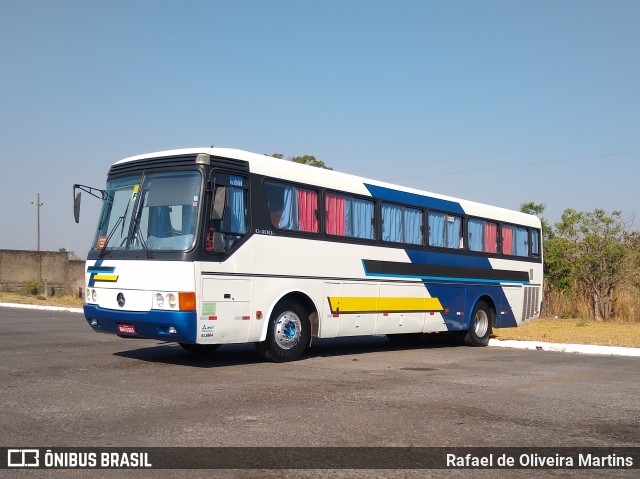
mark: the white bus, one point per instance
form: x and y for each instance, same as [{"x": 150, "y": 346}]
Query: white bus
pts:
[{"x": 213, "y": 246}]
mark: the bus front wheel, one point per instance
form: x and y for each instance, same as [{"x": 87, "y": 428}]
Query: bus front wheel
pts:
[
  {"x": 480, "y": 327},
  {"x": 287, "y": 335}
]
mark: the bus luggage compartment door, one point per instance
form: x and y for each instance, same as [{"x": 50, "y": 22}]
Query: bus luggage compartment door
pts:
[{"x": 225, "y": 315}]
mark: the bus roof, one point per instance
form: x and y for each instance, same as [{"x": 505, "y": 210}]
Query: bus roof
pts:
[{"x": 305, "y": 174}]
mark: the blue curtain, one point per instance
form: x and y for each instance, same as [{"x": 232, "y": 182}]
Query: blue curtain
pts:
[
  {"x": 412, "y": 226},
  {"x": 454, "y": 228},
  {"x": 361, "y": 218},
  {"x": 289, "y": 219},
  {"x": 436, "y": 229},
  {"x": 391, "y": 223},
  {"x": 535, "y": 243},
  {"x": 236, "y": 200},
  {"x": 521, "y": 242},
  {"x": 475, "y": 235}
]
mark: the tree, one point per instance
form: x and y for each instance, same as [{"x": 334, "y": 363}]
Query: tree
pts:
[
  {"x": 537, "y": 209},
  {"x": 599, "y": 250},
  {"x": 558, "y": 272},
  {"x": 304, "y": 160},
  {"x": 557, "y": 269},
  {"x": 70, "y": 254},
  {"x": 310, "y": 160}
]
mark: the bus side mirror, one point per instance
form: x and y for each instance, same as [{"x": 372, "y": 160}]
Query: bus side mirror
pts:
[
  {"x": 76, "y": 207},
  {"x": 217, "y": 209},
  {"x": 98, "y": 193}
]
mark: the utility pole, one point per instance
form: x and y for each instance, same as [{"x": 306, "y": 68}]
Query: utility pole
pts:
[{"x": 37, "y": 204}]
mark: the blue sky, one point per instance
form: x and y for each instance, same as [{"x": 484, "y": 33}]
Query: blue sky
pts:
[{"x": 500, "y": 102}]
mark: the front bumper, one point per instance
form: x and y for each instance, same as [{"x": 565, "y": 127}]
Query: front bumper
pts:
[{"x": 152, "y": 324}]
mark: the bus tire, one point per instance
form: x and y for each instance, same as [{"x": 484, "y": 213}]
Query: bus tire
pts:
[
  {"x": 288, "y": 333},
  {"x": 199, "y": 349},
  {"x": 480, "y": 326}
]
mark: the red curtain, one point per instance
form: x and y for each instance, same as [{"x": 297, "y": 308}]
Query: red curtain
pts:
[
  {"x": 307, "y": 206},
  {"x": 507, "y": 240},
  {"x": 334, "y": 206},
  {"x": 490, "y": 238}
]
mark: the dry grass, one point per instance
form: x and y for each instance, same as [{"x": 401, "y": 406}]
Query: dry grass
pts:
[
  {"x": 576, "y": 331},
  {"x": 60, "y": 301},
  {"x": 626, "y": 306}
]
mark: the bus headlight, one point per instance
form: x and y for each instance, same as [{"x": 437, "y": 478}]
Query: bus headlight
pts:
[
  {"x": 94, "y": 296},
  {"x": 159, "y": 300},
  {"x": 172, "y": 300}
]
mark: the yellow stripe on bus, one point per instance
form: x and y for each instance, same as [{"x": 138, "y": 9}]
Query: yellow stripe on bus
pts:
[
  {"x": 106, "y": 277},
  {"x": 383, "y": 305}
]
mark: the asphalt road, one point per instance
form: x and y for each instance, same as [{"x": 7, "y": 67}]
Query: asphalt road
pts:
[{"x": 64, "y": 385}]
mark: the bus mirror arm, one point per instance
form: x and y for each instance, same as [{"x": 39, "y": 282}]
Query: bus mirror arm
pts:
[{"x": 98, "y": 193}]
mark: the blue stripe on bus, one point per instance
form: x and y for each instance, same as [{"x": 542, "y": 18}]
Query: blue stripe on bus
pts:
[
  {"x": 426, "y": 269},
  {"x": 458, "y": 294},
  {"x": 446, "y": 278},
  {"x": 397, "y": 196},
  {"x": 92, "y": 274},
  {"x": 448, "y": 259}
]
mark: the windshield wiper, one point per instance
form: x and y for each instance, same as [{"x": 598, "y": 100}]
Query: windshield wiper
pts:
[
  {"x": 134, "y": 228},
  {"x": 143, "y": 243},
  {"x": 113, "y": 230},
  {"x": 120, "y": 220}
]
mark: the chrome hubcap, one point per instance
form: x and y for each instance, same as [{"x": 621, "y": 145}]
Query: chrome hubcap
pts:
[
  {"x": 287, "y": 330},
  {"x": 481, "y": 323}
]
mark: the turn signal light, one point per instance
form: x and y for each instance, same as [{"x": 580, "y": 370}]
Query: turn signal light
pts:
[{"x": 187, "y": 301}]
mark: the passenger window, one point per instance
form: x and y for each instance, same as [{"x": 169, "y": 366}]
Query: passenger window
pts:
[
  {"x": 401, "y": 224},
  {"x": 514, "y": 241},
  {"x": 349, "y": 216},
  {"x": 535, "y": 243},
  {"x": 291, "y": 207},
  {"x": 445, "y": 231},
  {"x": 483, "y": 236}
]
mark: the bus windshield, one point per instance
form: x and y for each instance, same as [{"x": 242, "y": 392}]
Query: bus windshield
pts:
[{"x": 154, "y": 212}]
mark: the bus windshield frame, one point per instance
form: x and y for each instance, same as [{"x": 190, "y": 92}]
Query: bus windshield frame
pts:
[{"x": 150, "y": 212}]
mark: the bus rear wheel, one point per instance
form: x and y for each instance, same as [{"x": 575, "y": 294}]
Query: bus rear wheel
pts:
[
  {"x": 288, "y": 333},
  {"x": 480, "y": 328}
]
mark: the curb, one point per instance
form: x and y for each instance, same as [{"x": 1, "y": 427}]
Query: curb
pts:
[
  {"x": 566, "y": 348},
  {"x": 42, "y": 308}
]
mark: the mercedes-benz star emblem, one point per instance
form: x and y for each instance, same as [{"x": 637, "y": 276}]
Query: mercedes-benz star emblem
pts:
[{"x": 120, "y": 299}]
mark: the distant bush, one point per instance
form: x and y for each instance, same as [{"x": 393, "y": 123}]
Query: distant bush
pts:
[{"x": 31, "y": 288}]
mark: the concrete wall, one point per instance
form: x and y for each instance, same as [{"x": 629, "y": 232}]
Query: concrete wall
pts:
[{"x": 46, "y": 268}]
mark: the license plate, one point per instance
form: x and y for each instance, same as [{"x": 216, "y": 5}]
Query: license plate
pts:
[{"x": 126, "y": 329}]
